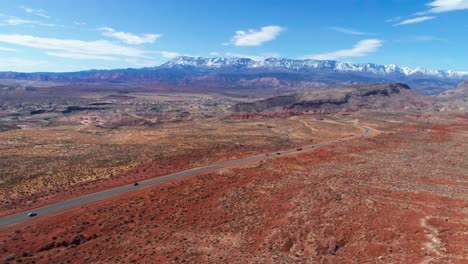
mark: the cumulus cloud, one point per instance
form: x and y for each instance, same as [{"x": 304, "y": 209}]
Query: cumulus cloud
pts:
[
  {"x": 129, "y": 38},
  {"x": 254, "y": 37},
  {"x": 72, "y": 48},
  {"x": 37, "y": 12},
  {"x": 349, "y": 31},
  {"x": 440, "y": 6},
  {"x": 414, "y": 20},
  {"x": 362, "y": 48},
  {"x": 259, "y": 57}
]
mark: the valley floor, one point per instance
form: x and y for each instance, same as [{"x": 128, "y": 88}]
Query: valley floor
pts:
[
  {"x": 397, "y": 197},
  {"x": 40, "y": 166}
]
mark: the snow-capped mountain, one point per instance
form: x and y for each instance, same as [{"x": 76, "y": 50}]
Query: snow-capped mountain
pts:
[
  {"x": 304, "y": 65},
  {"x": 270, "y": 75}
]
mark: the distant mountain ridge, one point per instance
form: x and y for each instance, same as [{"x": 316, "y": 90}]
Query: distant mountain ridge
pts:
[
  {"x": 386, "y": 97},
  {"x": 269, "y": 76},
  {"x": 309, "y": 64}
]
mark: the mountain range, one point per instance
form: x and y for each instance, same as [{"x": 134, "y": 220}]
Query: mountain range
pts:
[
  {"x": 271, "y": 75},
  {"x": 308, "y": 65}
]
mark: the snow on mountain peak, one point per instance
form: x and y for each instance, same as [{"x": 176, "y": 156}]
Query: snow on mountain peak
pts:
[{"x": 308, "y": 64}]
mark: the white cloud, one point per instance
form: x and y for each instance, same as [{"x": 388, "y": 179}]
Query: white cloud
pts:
[
  {"x": 172, "y": 54},
  {"x": 253, "y": 57},
  {"x": 215, "y": 53},
  {"x": 362, "y": 48},
  {"x": 72, "y": 46},
  {"x": 169, "y": 54},
  {"x": 79, "y": 56},
  {"x": 129, "y": 38},
  {"x": 6, "y": 49},
  {"x": 37, "y": 12},
  {"x": 436, "y": 7},
  {"x": 414, "y": 20},
  {"x": 15, "y": 21},
  {"x": 24, "y": 65},
  {"x": 440, "y": 6},
  {"x": 349, "y": 31},
  {"x": 253, "y": 37}
]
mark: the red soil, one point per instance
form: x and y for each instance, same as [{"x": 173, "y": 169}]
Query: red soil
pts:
[
  {"x": 143, "y": 171},
  {"x": 383, "y": 199}
]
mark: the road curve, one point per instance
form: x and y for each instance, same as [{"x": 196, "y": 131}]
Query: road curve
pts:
[{"x": 56, "y": 207}]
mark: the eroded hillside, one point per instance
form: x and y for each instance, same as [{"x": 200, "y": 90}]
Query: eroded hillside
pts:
[{"x": 389, "y": 97}]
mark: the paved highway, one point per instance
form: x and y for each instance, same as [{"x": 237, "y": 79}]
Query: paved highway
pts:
[{"x": 56, "y": 207}]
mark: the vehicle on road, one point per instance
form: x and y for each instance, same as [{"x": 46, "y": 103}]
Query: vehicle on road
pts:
[{"x": 5, "y": 221}]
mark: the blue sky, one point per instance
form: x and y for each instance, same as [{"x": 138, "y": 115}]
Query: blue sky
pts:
[{"x": 57, "y": 35}]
